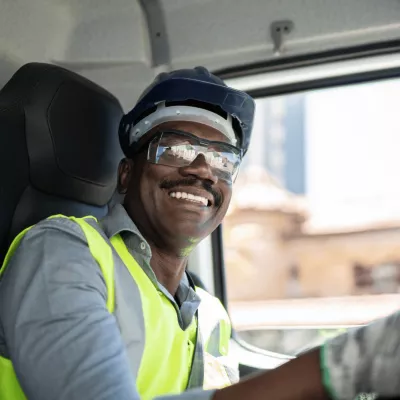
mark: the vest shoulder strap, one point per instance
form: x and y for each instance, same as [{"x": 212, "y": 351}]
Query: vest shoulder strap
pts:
[
  {"x": 103, "y": 254},
  {"x": 213, "y": 318}
]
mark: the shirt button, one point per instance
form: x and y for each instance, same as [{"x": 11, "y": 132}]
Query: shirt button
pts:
[{"x": 143, "y": 246}]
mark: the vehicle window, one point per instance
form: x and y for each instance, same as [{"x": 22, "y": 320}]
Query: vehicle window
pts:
[{"x": 312, "y": 237}]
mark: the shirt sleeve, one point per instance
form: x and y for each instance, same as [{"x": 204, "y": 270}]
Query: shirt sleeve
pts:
[
  {"x": 364, "y": 361},
  {"x": 59, "y": 335}
]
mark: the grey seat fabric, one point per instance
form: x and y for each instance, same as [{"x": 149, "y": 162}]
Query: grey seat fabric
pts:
[{"x": 59, "y": 148}]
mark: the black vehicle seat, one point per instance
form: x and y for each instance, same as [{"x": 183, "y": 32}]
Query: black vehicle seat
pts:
[{"x": 59, "y": 148}]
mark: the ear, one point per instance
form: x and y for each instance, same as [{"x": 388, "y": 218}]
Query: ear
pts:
[{"x": 124, "y": 175}]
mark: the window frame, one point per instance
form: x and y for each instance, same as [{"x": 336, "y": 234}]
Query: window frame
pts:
[{"x": 369, "y": 69}]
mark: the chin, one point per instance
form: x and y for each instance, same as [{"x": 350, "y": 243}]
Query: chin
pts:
[{"x": 185, "y": 232}]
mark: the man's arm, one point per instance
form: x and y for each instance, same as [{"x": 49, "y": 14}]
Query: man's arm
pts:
[
  {"x": 63, "y": 342},
  {"x": 299, "y": 379},
  {"x": 364, "y": 360}
]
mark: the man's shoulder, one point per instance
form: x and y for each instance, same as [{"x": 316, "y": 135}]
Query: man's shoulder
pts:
[
  {"x": 211, "y": 304},
  {"x": 57, "y": 246},
  {"x": 60, "y": 225},
  {"x": 55, "y": 235},
  {"x": 206, "y": 296}
]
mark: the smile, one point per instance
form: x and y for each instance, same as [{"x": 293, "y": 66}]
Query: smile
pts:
[{"x": 189, "y": 197}]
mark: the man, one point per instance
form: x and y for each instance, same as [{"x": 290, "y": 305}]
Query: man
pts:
[{"x": 106, "y": 310}]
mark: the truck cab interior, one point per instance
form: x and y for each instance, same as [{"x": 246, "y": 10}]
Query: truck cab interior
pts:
[{"x": 70, "y": 69}]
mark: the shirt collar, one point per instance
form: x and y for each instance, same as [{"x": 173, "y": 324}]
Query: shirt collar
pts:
[{"x": 117, "y": 220}]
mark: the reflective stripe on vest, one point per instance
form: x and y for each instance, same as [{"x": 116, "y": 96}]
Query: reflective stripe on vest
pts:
[{"x": 174, "y": 354}]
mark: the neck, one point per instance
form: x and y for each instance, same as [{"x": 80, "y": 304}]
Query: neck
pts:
[
  {"x": 168, "y": 268},
  {"x": 168, "y": 260}
]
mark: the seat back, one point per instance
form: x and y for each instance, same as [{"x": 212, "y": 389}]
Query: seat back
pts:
[{"x": 59, "y": 148}]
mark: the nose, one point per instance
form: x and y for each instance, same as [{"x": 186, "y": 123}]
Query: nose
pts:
[{"x": 200, "y": 169}]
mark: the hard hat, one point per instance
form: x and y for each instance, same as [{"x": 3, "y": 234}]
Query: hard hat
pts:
[{"x": 193, "y": 95}]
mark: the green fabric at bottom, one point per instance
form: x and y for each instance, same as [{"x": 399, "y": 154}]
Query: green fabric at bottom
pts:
[{"x": 326, "y": 379}]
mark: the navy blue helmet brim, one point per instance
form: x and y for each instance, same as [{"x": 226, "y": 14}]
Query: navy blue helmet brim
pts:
[{"x": 238, "y": 104}]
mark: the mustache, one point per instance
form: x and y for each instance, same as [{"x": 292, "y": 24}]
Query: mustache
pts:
[{"x": 168, "y": 184}]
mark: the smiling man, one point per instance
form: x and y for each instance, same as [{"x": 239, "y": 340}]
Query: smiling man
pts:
[{"x": 105, "y": 309}]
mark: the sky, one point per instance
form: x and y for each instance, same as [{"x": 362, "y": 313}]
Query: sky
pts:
[
  {"x": 352, "y": 147},
  {"x": 352, "y": 154}
]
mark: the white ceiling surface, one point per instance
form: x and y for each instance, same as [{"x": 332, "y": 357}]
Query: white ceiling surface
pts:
[{"x": 108, "y": 40}]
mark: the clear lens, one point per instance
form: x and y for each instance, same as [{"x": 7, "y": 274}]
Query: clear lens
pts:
[{"x": 180, "y": 150}]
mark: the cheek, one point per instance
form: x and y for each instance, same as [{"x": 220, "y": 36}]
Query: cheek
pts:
[
  {"x": 148, "y": 187},
  {"x": 227, "y": 195},
  {"x": 139, "y": 186}
]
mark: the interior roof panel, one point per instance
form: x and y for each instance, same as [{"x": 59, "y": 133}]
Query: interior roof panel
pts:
[
  {"x": 113, "y": 43},
  {"x": 239, "y": 32}
]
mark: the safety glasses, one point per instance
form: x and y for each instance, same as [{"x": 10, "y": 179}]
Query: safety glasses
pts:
[{"x": 179, "y": 149}]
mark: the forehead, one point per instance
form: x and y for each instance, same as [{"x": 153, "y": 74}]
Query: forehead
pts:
[{"x": 199, "y": 130}]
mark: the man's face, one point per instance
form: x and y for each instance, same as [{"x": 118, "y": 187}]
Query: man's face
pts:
[{"x": 168, "y": 202}]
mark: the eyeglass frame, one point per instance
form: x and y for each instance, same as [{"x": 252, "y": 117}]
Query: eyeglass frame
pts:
[{"x": 201, "y": 141}]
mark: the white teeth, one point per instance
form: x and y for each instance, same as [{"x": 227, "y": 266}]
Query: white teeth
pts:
[
  {"x": 201, "y": 200},
  {"x": 189, "y": 197}
]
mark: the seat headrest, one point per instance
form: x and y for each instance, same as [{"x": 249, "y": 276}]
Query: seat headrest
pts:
[
  {"x": 71, "y": 129},
  {"x": 59, "y": 147}
]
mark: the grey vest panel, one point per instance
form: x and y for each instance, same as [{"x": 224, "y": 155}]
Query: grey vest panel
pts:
[{"x": 128, "y": 309}]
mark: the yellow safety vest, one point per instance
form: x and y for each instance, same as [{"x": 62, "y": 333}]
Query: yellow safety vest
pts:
[{"x": 173, "y": 354}]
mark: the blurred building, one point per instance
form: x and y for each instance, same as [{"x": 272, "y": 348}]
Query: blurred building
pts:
[
  {"x": 271, "y": 252},
  {"x": 296, "y": 267}
]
